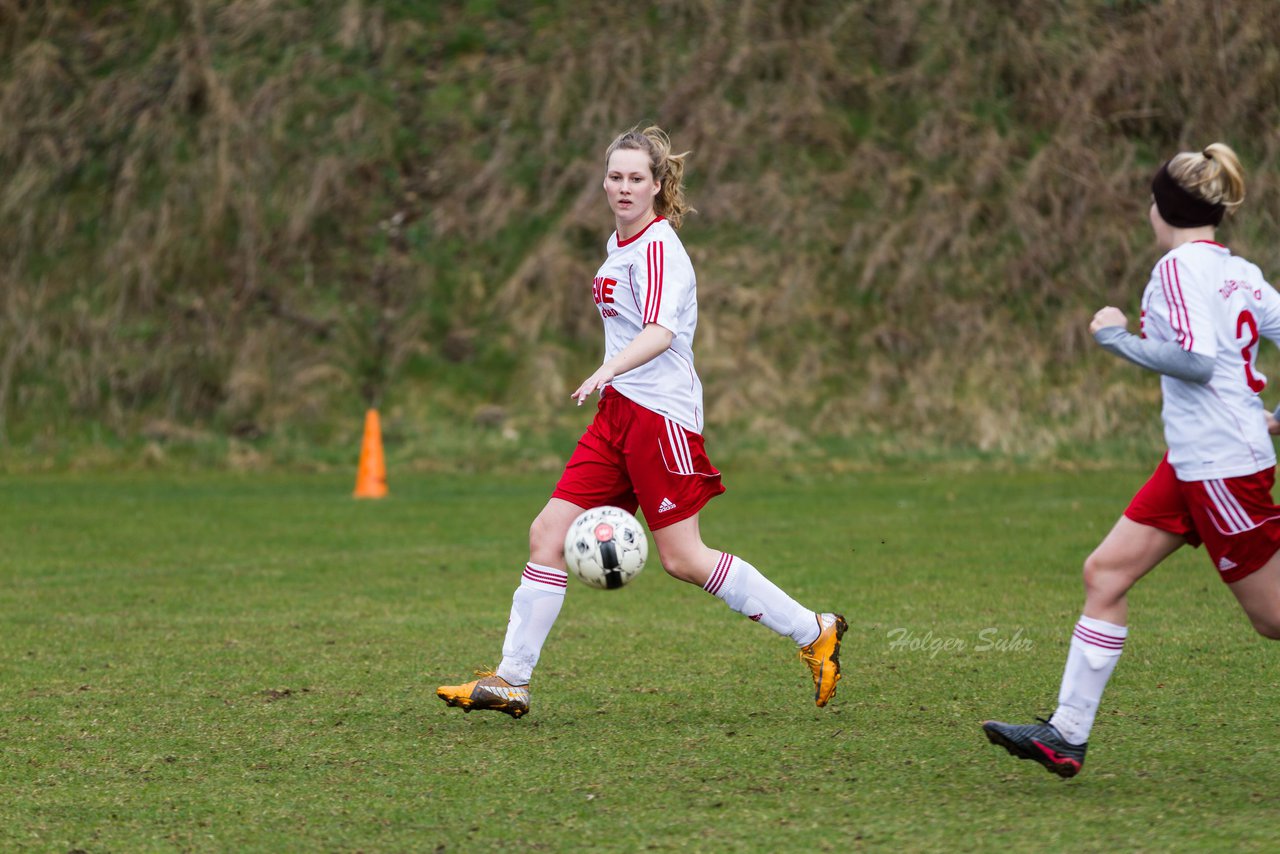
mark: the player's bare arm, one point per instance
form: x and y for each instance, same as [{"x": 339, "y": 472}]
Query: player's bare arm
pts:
[{"x": 652, "y": 341}]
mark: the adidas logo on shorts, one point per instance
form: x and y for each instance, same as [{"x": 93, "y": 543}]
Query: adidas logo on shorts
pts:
[{"x": 666, "y": 505}]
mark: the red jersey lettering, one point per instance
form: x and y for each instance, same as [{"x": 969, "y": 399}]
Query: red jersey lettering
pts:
[{"x": 602, "y": 289}]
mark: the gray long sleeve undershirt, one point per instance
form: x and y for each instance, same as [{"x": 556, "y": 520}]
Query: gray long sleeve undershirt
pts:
[{"x": 1163, "y": 357}]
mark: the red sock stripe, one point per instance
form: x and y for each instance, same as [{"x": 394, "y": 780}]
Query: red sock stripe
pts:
[
  {"x": 721, "y": 573},
  {"x": 1095, "y": 638},
  {"x": 546, "y": 576}
]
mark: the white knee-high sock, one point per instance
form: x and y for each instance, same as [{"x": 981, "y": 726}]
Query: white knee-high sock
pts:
[
  {"x": 746, "y": 591},
  {"x": 534, "y": 609},
  {"x": 1095, "y": 649}
]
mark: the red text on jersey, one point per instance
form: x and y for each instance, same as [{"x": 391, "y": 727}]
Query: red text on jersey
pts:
[
  {"x": 1245, "y": 321},
  {"x": 1230, "y": 286},
  {"x": 602, "y": 291}
]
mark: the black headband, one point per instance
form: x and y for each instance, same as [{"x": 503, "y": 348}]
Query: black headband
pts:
[{"x": 1179, "y": 207}]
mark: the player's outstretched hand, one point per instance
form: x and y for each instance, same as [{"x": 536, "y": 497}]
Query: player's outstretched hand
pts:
[
  {"x": 1273, "y": 426},
  {"x": 602, "y": 377},
  {"x": 1108, "y": 316}
]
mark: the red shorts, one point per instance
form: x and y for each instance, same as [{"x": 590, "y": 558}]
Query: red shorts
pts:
[
  {"x": 633, "y": 457},
  {"x": 1234, "y": 517}
]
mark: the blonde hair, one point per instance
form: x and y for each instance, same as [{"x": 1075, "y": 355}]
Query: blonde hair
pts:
[
  {"x": 667, "y": 169},
  {"x": 1213, "y": 175}
]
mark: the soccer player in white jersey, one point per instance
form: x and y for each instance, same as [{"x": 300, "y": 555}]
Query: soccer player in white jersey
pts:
[
  {"x": 1203, "y": 313},
  {"x": 644, "y": 447}
]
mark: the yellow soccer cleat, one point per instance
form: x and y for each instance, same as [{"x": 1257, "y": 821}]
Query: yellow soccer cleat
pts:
[
  {"x": 823, "y": 656},
  {"x": 490, "y": 692}
]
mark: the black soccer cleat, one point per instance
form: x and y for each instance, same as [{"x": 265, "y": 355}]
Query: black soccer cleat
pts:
[{"x": 1039, "y": 742}]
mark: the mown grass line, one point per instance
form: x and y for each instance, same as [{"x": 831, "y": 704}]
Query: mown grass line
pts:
[{"x": 235, "y": 663}]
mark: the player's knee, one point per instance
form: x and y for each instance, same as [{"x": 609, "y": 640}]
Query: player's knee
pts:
[
  {"x": 675, "y": 566},
  {"x": 678, "y": 563},
  {"x": 546, "y": 542},
  {"x": 1094, "y": 574},
  {"x": 1268, "y": 626},
  {"x": 1102, "y": 579}
]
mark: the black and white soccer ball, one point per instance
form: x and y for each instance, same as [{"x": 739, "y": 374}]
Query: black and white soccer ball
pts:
[{"x": 606, "y": 547}]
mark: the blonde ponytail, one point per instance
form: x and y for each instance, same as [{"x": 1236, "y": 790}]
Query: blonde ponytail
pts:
[{"x": 1214, "y": 175}]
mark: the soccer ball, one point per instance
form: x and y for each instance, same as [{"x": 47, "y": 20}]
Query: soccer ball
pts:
[{"x": 606, "y": 547}]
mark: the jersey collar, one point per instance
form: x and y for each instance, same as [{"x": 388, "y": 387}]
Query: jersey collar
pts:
[{"x": 633, "y": 238}]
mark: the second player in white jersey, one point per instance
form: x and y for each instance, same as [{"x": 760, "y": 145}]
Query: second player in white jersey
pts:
[
  {"x": 645, "y": 279},
  {"x": 1215, "y": 304},
  {"x": 1204, "y": 313}
]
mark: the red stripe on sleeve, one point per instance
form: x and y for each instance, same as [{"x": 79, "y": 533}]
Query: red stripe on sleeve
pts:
[
  {"x": 656, "y": 268},
  {"x": 1179, "y": 317},
  {"x": 1182, "y": 305}
]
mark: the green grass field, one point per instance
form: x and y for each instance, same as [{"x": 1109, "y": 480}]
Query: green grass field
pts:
[{"x": 247, "y": 663}]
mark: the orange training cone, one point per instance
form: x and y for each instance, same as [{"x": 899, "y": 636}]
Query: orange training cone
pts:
[{"x": 371, "y": 478}]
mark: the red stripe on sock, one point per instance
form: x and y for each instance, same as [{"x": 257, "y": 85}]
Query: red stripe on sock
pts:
[
  {"x": 719, "y": 575},
  {"x": 1095, "y": 638},
  {"x": 543, "y": 576}
]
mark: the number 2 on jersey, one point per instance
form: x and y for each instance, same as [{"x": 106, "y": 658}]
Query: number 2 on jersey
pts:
[{"x": 1245, "y": 320}]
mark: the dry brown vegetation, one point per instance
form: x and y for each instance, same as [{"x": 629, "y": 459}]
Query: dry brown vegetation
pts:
[{"x": 251, "y": 218}]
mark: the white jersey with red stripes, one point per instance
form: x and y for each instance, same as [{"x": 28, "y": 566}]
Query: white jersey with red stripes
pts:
[
  {"x": 649, "y": 279},
  {"x": 1218, "y": 305}
]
